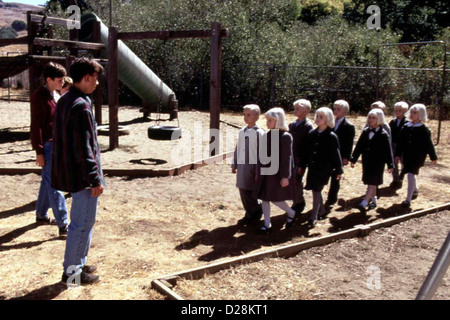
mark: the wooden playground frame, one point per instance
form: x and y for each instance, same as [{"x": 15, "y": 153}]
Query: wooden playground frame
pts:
[{"x": 35, "y": 60}]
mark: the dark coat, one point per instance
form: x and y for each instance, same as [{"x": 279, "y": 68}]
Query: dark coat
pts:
[
  {"x": 268, "y": 186},
  {"x": 376, "y": 153},
  {"x": 346, "y": 135},
  {"x": 299, "y": 131},
  {"x": 395, "y": 130},
  {"x": 323, "y": 158},
  {"x": 414, "y": 145}
]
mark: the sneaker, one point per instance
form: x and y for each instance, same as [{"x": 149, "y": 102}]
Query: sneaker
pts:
[{"x": 84, "y": 279}]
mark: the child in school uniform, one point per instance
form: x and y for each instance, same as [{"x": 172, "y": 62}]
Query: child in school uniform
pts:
[
  {"x": 345, "y": 131},
  {"x": 245, "y": 162},
  {"x": 414, "y": 145},
  {"x": 276, "y": 180},
  {"x": 323, "y": 158},
  {"x": 299, "y": 129},
  {"x": 68, "y": 82},
  {"x": 373, "y": 144},
  {"x": 396, "y": 124},
  {"x": 380, "y": 105}
]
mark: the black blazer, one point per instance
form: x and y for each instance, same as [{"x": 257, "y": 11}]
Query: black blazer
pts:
[
  {"x": 299, "y": 132},
  {"x": 414, "y": 145},
  {"x": 346, "y": 135},
  {"x": 395, "y": 130},
  {"x": 323, "y": 158},
  {"x": 376, "y": 152}
]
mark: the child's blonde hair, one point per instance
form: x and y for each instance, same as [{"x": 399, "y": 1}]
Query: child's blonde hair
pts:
[
  {"x": 419, "y": 107},
  {"x": 279, "y": 116},
  {"x": 378, "y": 104},
  {"x": 401, "y": 104},
  {"x": 253, "y": 107},
  {"x": 344, "y": 104},
  {"x": 328, "y": 113},
  {"x": 380, "y": 116},
  {"x": 67, "y": 82},
  {"x": 304, "y": 103}
]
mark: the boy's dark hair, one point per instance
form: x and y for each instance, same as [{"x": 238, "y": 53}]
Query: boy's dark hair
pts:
[
  {"x": 84, "y": 66},
  {"x": 53, "y": 70}
]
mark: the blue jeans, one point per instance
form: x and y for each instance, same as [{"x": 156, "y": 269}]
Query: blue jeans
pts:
[
  {"x": 82, "y": 220},
  {"x": 49, "y": 197}
]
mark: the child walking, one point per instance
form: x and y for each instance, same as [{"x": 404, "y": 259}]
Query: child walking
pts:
[
  {"x": 373, "y": 144},
  {"x": 414, "y": 145},
  {"x": 323, "y": 159},
  {"x": 345, "y": 131},
  {"x": 245, "y": 164},
  {"x": 396, "y": 124},
  {"x": 275, "y": 180},
  {"x": 299, "y": 129}
]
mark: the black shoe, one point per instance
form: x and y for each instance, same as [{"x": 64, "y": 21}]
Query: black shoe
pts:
[
  {"x": 361, "y": 209},
  {"x": 415, "y": 195},
  {"x": 83, "y": 278},
  {"x": 45, "y": 220},
  {"x": 244, "y": 221},
  {"x": 329, "y": 203},
  {"x": 89, "y": 269},
  {"x": 312, "y": 223},
  {"x": 406, "y": 204},
  {"x": 290, "y": 221},
  {"x": 63, "y": 231},
  {"x": 372, "y": 206},
  {"x": 299, "y": 207},
  {"x": 264, "y": 230}
]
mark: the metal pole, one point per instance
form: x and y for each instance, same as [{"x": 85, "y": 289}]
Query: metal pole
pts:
[{"x": 436, "y": 273}]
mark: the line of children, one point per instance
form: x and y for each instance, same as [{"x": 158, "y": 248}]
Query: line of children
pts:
[{"x": 326, "y": 149}]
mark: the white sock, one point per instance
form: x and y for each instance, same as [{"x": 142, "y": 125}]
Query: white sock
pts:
[
  {"x": 374, "y": 200},
  {"x": 364, "y": 203}
]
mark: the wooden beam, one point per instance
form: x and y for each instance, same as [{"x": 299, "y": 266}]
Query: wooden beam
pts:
[
  {"x": 215, "y": 83},
  {"x": 167, "y": 35},
  {"x": 113, "y": 88},
  {"x": 8, "y": 42},
  {"x": 68, "y": 44},
  {"x": 50, "y": 20}
]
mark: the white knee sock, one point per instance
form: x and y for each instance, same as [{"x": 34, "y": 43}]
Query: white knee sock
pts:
[
  {"x": 284, "y": 206},
  {"x": 266, "y": 211}
]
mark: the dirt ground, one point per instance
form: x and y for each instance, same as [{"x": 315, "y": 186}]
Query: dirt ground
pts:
[{"x": 150, "y": 227}]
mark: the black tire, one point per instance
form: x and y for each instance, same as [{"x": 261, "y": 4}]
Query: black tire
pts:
[{"x": 164, "y": 133}]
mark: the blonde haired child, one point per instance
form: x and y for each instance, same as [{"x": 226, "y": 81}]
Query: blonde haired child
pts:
[
  {"x": 245, "y": 163},
  {"x": 396, "y": 125},
  {"x": 277, "y": 186},
  {"x": 345, "y": 132},
  {"x": 373, "y": 144},
  {"x": 299, "y": 129},
  {"x": 414, "y": 145},
  {"x": 323, "y": 158}
]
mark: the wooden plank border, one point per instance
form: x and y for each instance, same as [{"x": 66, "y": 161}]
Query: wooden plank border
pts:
[
  {"x": 165, "y": 284},
  {"x": 134, "y": 172}
]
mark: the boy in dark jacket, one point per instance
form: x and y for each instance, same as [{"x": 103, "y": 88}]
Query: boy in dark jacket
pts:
[
  {"x": 396, "y": 125},
  {"x": 299, "y": 129},
  {"x": 345, "y": 131}
]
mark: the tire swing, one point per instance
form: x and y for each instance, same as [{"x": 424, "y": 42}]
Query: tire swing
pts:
[{"x": 163, "y": 133}]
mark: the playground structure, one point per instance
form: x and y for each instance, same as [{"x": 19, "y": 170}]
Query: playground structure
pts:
[{"x": 122, "y": 64}]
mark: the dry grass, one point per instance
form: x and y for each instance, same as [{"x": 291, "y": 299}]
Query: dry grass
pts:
[{"x": 150, "y": 227}]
